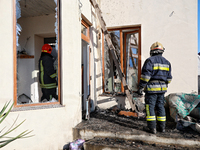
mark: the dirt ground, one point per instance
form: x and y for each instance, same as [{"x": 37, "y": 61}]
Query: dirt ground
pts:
[{"x": 110, "y": 120}]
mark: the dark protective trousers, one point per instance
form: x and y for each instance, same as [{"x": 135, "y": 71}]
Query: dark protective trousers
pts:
[
  {"x": 155, "y": 102},
  {"x": 48, "y": 94}
]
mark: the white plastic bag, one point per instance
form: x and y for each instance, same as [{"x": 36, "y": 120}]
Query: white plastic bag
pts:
[{"x": 76, "y": 145}]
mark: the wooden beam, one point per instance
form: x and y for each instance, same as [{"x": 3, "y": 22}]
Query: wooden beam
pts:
[
  {"x": 113, "y": 54},
  {"x": 14, "y": 56}
]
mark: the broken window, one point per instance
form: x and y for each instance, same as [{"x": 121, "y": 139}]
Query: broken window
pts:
[
  {"x": 37, "y": 23},
  {"x": 127, "y": 48}
]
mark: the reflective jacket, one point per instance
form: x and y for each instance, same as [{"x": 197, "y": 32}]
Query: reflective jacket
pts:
[
  {"x": 156, "y": 74},
  {"x": 47, "y": 73}
]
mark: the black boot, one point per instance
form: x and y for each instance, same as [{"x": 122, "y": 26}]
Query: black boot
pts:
[
  {"x": 150, "y": 130},
  {"x": 161, "y": 129}
]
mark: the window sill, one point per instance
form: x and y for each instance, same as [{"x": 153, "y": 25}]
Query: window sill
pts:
[
  {"x": 26, "y": 108},
  {"x": 113, "y": 95}
]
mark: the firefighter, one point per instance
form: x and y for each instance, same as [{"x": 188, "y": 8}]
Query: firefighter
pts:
[
  {"x": 47, "y": 75},
  {"x": 155, "y": 77}
]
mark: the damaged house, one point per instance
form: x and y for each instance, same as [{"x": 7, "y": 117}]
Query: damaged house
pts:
[{"x": 86, "y": 71}]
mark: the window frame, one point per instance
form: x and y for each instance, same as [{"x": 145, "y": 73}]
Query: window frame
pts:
[
  {"x": 84, "y": 37},
  {"x": 123, "y": 63},
  {"x": 15, "y": 62},
  {"x": 87, "y": 39}
]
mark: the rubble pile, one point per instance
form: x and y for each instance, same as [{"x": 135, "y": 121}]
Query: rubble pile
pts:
[
  {"x": 127, "y": 123},
  {"x": 130, "y": 144}
]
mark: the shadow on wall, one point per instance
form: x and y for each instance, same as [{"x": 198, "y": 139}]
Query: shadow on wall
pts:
[
  {"x": 198, "y": 84},
  {"x": 109, "y": 101}
]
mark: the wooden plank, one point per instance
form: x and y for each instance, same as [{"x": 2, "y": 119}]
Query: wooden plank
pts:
[
  {"x": 24, "y": 56},
  {"x": 103, "y": 63},
  {"x": 121, "y": 56},
  {"x": 113, "y": 54},
  {"x": 139, "y": 54}
]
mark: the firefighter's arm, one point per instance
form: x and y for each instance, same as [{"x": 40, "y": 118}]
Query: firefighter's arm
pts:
[
  {"x": 146, "y": 74},
  {"x": 169, "y": 75}
]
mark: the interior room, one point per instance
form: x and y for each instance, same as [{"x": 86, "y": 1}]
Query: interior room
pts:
[{"x": 36, "y": 25}]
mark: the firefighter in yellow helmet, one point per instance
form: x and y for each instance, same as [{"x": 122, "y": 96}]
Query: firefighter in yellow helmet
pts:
[
  {"x": 155, "y": 77},
  {"x": 47, "y": 75}
]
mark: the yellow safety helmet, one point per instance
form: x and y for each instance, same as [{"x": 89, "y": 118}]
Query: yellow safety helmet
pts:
[{"x": 156, "y": 48}]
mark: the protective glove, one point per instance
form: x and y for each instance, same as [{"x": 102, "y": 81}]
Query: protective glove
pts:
[{"x": 140, "y": 91}]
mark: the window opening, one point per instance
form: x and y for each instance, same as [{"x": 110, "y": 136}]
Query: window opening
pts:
[
  {"x": 112, "y": 80},
  {"x": 36, "y": 24},
  {"x": 132, "y": 60},
  {"x": 83, "y": 30},
  {"x": 127, "y": 46}
]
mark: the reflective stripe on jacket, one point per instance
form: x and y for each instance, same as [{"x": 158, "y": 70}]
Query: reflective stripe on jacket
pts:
[
  {"x": 47, "y": 73},
  {"x": 156, "y": 74}
]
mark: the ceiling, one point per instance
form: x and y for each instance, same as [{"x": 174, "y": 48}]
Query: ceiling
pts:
[{"x": 32, "y": 8}]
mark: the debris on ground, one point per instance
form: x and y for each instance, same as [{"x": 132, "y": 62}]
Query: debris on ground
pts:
[
  {"x": 128, "y": 113},
  {"x": 183, "y": 118},
  {"x": 184, "y": 109},
  {"x": 131, "y": 144},
  {"x": 133, "y": 122},
  {"x": 75, "y": 145}
]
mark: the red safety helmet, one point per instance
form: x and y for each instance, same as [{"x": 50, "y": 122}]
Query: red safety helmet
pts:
[{"x": 46, "y": 48}]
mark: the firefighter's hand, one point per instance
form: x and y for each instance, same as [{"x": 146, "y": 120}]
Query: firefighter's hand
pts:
[{"x": 140, "y": 91}]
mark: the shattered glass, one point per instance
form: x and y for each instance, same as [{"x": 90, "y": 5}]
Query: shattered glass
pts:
[
  {"x": 18, "y": 15},
  {"x": 132, "y": 60},
  {"x": 112, "y": 79},
  {"x": 112, "y": 82}
]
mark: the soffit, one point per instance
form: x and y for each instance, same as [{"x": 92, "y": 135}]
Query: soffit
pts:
[{"x": 32, "y": 8}]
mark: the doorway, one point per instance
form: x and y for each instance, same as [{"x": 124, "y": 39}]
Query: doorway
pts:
[{"x": 85, "y": 73}]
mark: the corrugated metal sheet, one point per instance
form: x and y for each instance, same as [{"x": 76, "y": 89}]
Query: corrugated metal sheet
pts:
[{"x": 31, "y": 8}]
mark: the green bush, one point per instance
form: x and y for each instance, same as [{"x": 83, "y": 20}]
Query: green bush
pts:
[{"x": 6, "y": 140}]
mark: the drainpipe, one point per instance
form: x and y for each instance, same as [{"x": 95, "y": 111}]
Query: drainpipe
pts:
[{"x": 87, "y": 116}]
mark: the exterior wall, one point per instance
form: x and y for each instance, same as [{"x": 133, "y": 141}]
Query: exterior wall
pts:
[
  {"x": 52, "y": 127},
  {"x": 6, "y": 58},
  {"x": 173, "y": 23}
]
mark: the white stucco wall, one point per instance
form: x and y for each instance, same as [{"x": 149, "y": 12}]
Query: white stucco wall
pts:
[
  {"x": 52, "y": 127},
  {"x": 6, "y": 57},
  {"x": 173, "y": 23}
]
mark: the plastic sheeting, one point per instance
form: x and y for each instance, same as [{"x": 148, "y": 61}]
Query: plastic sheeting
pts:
[
  {"x": 56, "y": 25},
  {"x": 18, "y": 15},
  {"x": 181, "y": 104}
]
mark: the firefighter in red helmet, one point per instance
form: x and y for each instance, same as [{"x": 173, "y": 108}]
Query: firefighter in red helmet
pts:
[{"x": 47, "y": 75}]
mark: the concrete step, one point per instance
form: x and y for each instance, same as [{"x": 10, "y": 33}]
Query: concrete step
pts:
[
  {"x": 95, "y": 131},
  {"x": 99, "y": 143}
]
